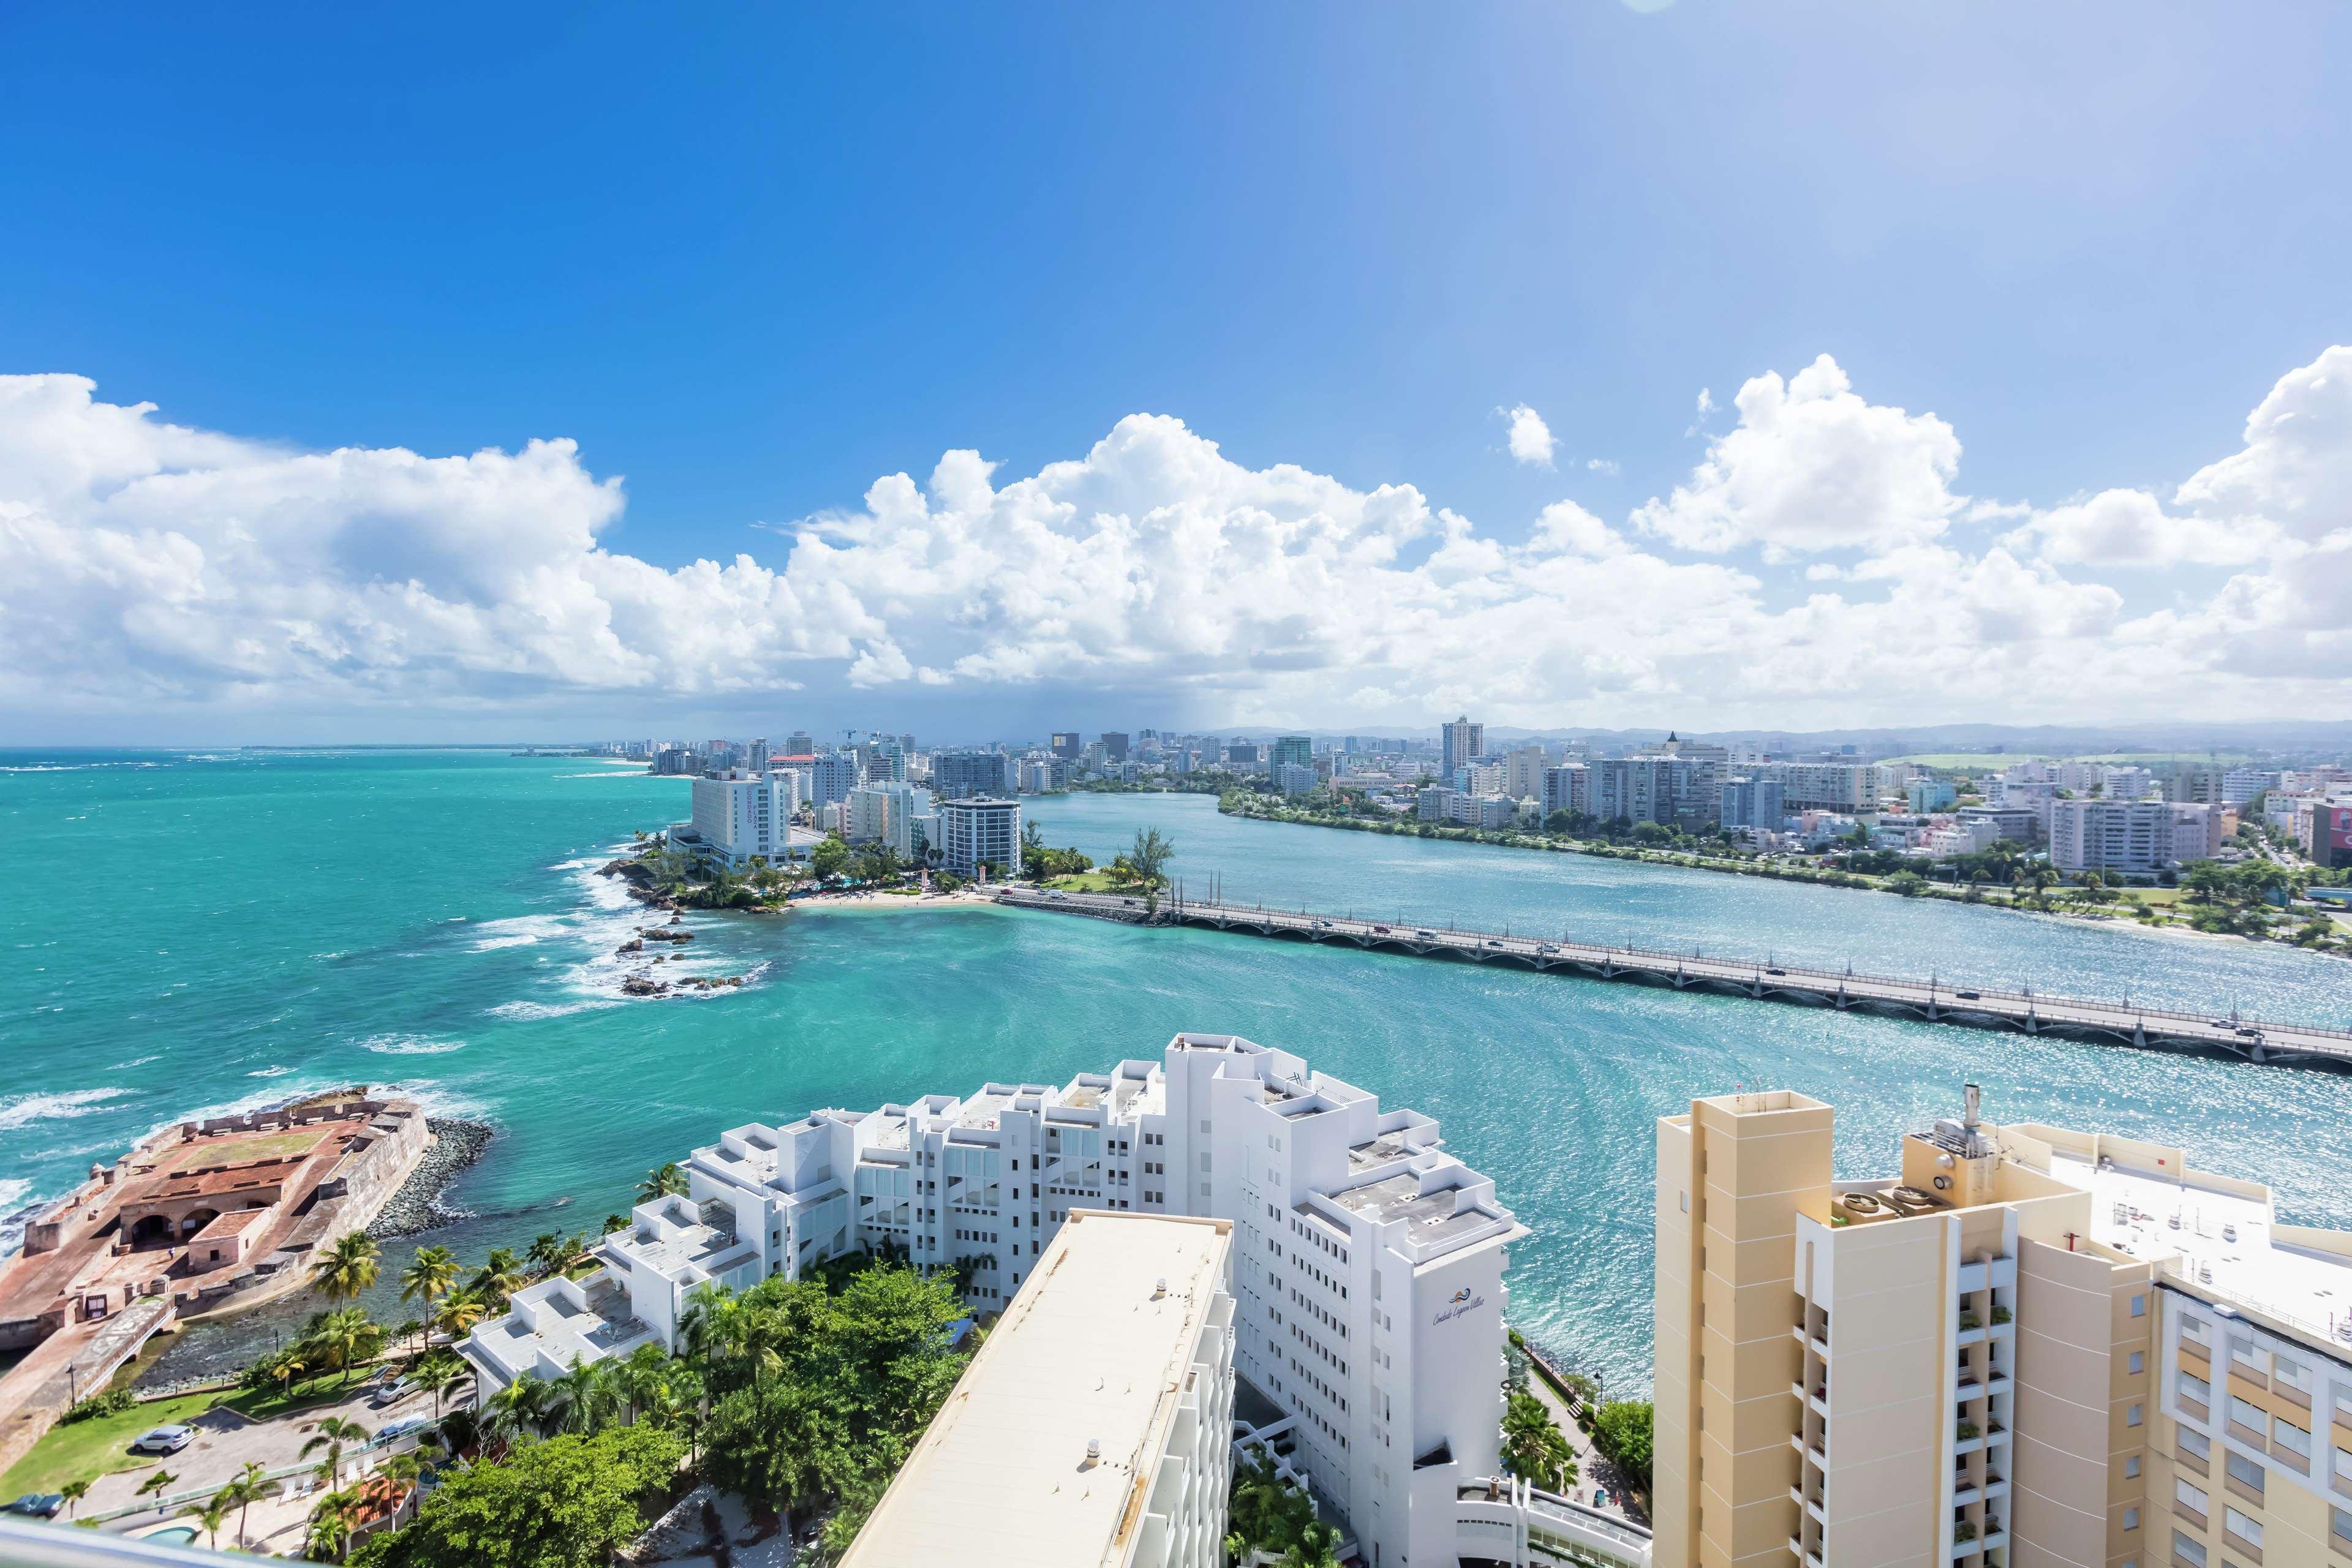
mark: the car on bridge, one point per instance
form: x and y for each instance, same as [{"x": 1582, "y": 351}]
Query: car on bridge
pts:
[
  {"x": 1548, "y": 947},
  {"x": 1381, "y": 930},
  {"x": 1494, "y": 942},
  {"x": 1427, "y": 933}
]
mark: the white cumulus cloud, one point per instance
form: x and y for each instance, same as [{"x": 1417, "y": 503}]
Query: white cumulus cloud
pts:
[
  {"x": 148, "y": 568},
  {"x": 1531, "y": 438}
]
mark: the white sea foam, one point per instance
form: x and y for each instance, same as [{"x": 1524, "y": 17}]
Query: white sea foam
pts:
[
  {"x": 527, "y": 1010},
  {"x": 14, "y": 1212},
  {"x": 24, "y": 1110},
  {"x": 133, "y": 1062},
  {"x": 410, "y": 1046},
  {"x": 269, "y": 1072},
  {"x": 520, "y": 931}
]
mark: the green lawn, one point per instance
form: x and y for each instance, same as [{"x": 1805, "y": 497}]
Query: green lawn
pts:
[
  {"x": 89, "y": 1449},
  {"x": 86, "y": 1450},
  {"x": 1085, "y": 882}
]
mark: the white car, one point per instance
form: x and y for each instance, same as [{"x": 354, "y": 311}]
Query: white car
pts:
[{"x": 163, "y": 1440}]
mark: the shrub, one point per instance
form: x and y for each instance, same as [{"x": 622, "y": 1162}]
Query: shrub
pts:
[
  {"x": 1621, "y": 1433},
  {"x": 111, "y": 1401}
]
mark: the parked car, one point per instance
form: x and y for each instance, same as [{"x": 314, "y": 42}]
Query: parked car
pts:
[
  {"x": 37, "y": 1505},
  {"x": 391, "y": 1392},
  {"x": 163, "y": 1440},
  {"x": 401, "y": 1428}
]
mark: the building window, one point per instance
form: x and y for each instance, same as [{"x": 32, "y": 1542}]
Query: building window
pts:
[
  {"x": 2131, "y": 1416},
  {"x": 2131, "y": 1467},
  {"x": 2244, "y": 1529},
  {"x": 2140, "y": 1306},
  {"x": 2287, "y": 1435},
  {"x": 2138, "y": 1362},
  {"x": 2195, "y": 1387},
  {"x": 2245, "y": 1472},
  {"x": 2190, "y": 1497},
  {"x": 2131, "y": 1519},
  {"x": 2189, "y": 1549}
]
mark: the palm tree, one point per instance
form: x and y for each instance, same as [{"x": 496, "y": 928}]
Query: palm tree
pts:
[
  {"x": 1533, "y": 1447},
  {"x": 582, "y": 1398},
  {"x": 402, "y": 1470},
  {"x": 501, "y": 1276},
  {"x": 249, "y": 1486},
  {"x": 438, "y": 1373},
  {"x": 460, "y": 1311},
  {"x": 330, "y": 1434},
  {"x": 517, "y": 1411},
  {"x": 410, "y": 1329},
  {"x": 156, "y": 1482},
  {"x": 662, "y": 1182},
  {"x": 213, "y": 1514},
  {"x": 544, "y": 1250},
  {"x": 347, "y": 1267},
  {"x": 643, "y": 1380},
  {"x": 73, "y": 1492},
  {"x": 341, "y": 1340},
  {"x": 430, "y": 1275},
  {"x": 331, "y": 1523}
]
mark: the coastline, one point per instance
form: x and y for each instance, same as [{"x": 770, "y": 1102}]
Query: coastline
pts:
[
  {"x": 1685, "y": 860},
  {"x": 417, "y": 1206}
]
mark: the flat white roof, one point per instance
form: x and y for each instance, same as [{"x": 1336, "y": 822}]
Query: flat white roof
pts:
[
  {"x": 1086, "y": 1351},
  {"x": 2224, "y": 1241}
]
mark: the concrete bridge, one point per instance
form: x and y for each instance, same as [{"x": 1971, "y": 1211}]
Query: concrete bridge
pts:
[{"x": 1936, "y": 1001}]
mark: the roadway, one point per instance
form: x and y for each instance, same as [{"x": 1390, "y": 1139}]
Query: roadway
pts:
[{"x": 1930, "y": 998}]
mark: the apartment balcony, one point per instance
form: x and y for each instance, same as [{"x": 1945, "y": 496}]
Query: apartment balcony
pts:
[
  {"x": 1810, "y": 1555},
  {"x": 1965, "y": 1491},
  {"x": 1818, "y": 1396},
  {"x": 1810, "y": 1501},
  {"x": 1812, "y": 1451},
  {"x": 1973, "y": 1385},
  {"x": 1818, "y": 1344},
  {"x": 1993, "y": 1536}
]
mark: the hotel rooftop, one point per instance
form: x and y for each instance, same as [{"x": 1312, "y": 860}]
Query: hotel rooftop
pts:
[{"x": 1045, "y": 1452}]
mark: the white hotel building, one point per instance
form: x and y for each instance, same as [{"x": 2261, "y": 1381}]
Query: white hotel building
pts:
[
  {"x": 1367, "y": 1267},
  {"x": 740, "y": 815}
]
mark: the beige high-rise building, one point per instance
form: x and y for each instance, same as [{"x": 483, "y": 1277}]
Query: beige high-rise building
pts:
[{"x": 2032, "y": 1346}]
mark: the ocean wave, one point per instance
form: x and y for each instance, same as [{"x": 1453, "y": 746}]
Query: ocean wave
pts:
[
  {"x": 410, "y": 1046},
  {"x": 133, "y": 1062},
  {"x": 527, "y": 1010},
  {"x": 523, "y": 930},
  {"x": 24, "y": 1110},
  {"x": 269, "y": 1072}
]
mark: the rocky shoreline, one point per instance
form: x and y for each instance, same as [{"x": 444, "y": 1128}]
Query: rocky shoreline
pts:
[{"x": 418, "y": 1205}]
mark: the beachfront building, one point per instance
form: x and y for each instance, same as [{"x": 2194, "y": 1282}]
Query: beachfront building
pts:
[
  {"x": 738, "y": 815},
  {"x": 2030, "y": 1345},
  {"x": 1367, "y": 1271},
  {"x": 980, "y": 831},
  {"x": 2131, "y": 836},
  {"x": 1099, "y": 1408}
]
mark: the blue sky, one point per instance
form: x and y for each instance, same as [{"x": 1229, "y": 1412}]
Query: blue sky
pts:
[{"x": 755, "y": 262}]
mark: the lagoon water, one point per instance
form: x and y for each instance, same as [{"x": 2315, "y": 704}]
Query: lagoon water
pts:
[{"x": 196, "y": 931}]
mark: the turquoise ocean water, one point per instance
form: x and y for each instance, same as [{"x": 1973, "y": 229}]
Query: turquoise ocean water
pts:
[{"x": 195, "y": 931}]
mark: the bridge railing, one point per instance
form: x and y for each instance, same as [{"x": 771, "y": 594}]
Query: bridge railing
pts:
[{"x": 1946, "y": 992}]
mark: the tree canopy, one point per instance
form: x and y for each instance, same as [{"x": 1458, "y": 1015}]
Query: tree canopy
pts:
[{"x": 567, "y": 1502}]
